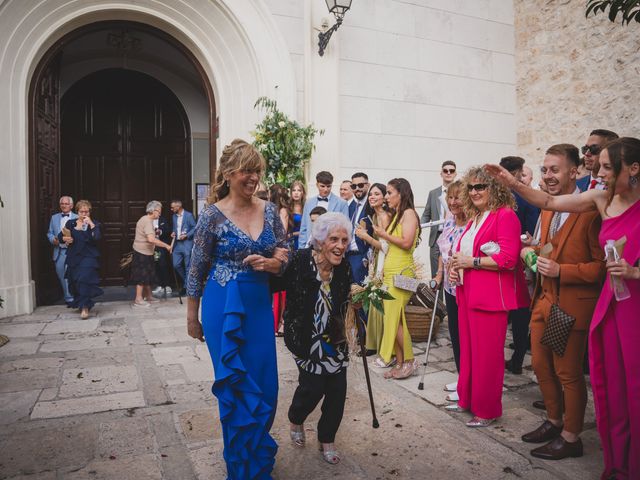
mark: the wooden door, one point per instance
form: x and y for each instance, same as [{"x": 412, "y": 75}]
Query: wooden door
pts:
[
  {"x": 125, "y": 142},
  {"x": 44, "y": 175}
]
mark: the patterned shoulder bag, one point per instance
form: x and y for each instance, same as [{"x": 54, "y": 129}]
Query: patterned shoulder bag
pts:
[{"x": 556, "y": 332}]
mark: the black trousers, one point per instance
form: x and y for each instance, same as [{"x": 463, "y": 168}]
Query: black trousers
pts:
[
  {"x": 311, "y": 389},
  {"x": 162, "y": 267},
  {"x": 520, "y": 329},
  {"x": 452, "y": 316}
]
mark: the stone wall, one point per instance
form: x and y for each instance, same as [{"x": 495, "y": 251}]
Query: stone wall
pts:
[{"x": 573, "y": 74}]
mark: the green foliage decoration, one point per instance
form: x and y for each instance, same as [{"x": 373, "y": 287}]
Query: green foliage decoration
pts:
[
  {"x": 284, "y": 143},
  {"x": 630, "y": 9}
]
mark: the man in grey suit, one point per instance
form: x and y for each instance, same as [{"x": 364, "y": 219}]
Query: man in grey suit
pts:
[
  {"x": 436, "y": 208},
  {"x": 326, "y": 199},
  {"x": 57, "y": 222}
]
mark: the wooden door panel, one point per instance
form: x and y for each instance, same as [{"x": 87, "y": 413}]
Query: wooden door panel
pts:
[{"x": 125, "y": 138}]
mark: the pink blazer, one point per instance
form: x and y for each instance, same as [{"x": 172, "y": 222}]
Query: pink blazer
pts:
[{"x": 506, "y": 288}]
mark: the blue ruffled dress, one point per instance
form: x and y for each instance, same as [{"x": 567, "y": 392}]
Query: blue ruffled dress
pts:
[{"x": 238, "y": 327}]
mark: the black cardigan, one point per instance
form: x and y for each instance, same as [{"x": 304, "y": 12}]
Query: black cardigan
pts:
[{"x": 302, "y": 294}]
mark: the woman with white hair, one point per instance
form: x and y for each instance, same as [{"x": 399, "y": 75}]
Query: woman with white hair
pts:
[
  {"x": 318, "y": 285},
  {"x": 143, "y": 268}
]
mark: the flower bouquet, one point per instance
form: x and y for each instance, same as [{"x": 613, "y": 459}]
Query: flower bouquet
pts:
[{"x": 372, "y": 294}]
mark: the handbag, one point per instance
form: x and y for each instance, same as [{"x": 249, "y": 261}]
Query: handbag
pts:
[
  {"x": 126, "y": 260},
  {"x": 556, "y": 332}
]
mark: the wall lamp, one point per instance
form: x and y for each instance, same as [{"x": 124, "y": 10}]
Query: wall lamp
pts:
[{"x": 338, "y": 8}]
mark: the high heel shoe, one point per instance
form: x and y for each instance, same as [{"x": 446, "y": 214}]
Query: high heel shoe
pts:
[
  {"x": 297, "y": 436},
  {"x": 407, "y": 369},
  {"x": 330, "y": 456},
  {"x": 390, "y": 373}
]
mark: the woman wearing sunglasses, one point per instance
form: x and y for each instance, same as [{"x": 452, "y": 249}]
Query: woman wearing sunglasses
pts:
[{"x": 490, "y": 281}]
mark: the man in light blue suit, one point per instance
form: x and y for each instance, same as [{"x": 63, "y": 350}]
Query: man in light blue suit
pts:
[
  {"x": 326, "y": 199},
  {"x": 58, "y": 220},
  {"x": 184, "y": 227}
]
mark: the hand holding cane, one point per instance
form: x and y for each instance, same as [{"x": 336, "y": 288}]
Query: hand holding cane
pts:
[
  {"x": 433, "y": 320},
  {"x": 175, "y": 277},
  {"x": 363, "y": 355}
]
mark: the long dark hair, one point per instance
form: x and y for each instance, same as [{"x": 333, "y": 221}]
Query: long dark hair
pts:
[
  {"x": 403, "y": 187},
  {"x": 278, "y": 195},
  {"x": 623, "y": 150},
  {"x": 368, "y": 210}
]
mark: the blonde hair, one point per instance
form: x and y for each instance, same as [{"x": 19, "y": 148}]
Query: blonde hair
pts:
[
  {"x": 454, "y": 190},
  {"x": 499, "y": 195},
  {"x": 238, "y": 155},
  {"x": 83, "y": 203}
]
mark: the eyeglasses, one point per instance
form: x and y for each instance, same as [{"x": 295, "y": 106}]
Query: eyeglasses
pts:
[
  {"x": 358, "y": 185},
  {"x": 594, "y": 149},
  {"x": 449, "y": 170},
  {"x": 478, "y": 187}
]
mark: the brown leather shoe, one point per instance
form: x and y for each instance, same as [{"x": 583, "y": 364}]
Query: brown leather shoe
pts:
[
  {"x": 558, "y": 449},
  {"x": 545, "y": 432}
]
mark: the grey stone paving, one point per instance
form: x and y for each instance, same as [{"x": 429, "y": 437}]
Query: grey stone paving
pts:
[{"x": 126, "y": 395}]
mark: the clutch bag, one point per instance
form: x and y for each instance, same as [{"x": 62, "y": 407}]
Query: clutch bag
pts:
[{"x": 556, "y": 332}]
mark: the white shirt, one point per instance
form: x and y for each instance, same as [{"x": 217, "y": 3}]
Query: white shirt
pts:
[
  {"x": 565, "y": 215},
  {"x": 466, "y": 242},
  {"x": 63, "y": 222},
  {"x": 600, "y": 185},
  {"x": 359, "y": 206},
  {"x": 179, "y": 226},
  {"x": 444, "y": 209}
]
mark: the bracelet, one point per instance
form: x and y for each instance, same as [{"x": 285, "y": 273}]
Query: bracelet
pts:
[{"x": 476, "y": 263}]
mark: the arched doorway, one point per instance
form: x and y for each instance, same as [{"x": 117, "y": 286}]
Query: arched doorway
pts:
[
  {"x": 115, "y": 136},
  {"x": 125, "y": 141}
]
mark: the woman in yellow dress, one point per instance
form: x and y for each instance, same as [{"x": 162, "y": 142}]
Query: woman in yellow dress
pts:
[{"x": 402, "y": 235}]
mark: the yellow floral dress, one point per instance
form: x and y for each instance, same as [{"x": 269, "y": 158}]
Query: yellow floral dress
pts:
[{"x": 396, "y": 262}]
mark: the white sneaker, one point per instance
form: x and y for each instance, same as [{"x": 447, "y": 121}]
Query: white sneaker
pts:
[
  {"x": 453, "y": 397},
  {"x": 157, "y": 291},
  {"x": 143, "y": 303},
  {"x": 451, "y": 387}
]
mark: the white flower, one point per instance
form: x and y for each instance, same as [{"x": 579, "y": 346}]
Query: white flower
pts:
[{"x": 281, "y": 124}]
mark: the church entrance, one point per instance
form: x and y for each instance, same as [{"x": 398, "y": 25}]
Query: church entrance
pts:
[{"x": 114, "y": 110}]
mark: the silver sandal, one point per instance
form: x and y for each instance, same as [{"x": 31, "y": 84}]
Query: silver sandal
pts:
[
  {"x": 330, "y": 456},
  {"x": 297, "y": 436}
]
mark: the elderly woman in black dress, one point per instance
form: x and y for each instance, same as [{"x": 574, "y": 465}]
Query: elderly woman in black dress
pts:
[{"x": 318, "y": 285}]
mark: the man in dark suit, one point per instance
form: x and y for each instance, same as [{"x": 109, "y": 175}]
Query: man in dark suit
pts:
[
  {"x": 436, "y": 209},
  {"x": 570, "y": 277},
  {"x": 591, "y": 151},
  {"x": 325, "y": 199},
  {"x": 57, "y": 222},
  {"x": 184, "y": 227},
  {"x": 357, "y": 251}
]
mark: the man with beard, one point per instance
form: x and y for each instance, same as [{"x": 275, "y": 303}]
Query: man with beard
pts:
[
  {"x": 571, "y": 278},
  {"x": 357, "y": 253},
  {"x": 591, "y": 150}
]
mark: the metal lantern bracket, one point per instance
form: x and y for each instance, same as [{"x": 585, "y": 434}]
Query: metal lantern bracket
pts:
[{"x": 338, "y": 8}]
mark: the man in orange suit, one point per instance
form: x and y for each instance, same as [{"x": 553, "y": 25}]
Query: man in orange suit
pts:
[{"x": 572, "y": 277}]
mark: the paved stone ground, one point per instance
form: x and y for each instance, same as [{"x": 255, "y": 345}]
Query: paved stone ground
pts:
[{"x": 126, "y": 395}]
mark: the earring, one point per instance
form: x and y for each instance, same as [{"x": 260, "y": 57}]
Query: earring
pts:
[
  {"x": 633, "y": 181},
  {"x": 226, "y": 183}
]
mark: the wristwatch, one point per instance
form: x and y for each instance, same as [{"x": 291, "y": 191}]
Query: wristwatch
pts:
[{"x": 476, "y": 263}]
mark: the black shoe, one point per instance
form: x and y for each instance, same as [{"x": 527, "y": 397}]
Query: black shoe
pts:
[
  {"x": 539, "y": 404},
  {"x": 545, "y": 432},
  {"x": 558, "y": 449},
  {"x": 509, "y": 366}
]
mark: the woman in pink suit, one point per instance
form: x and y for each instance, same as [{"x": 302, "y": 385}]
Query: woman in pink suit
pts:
[
  {"x": 614, "y": 335},
  {"x": 490, "y": 283}
]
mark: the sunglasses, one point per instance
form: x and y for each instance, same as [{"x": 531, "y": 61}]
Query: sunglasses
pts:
[
  {"x": 593, "y": 149},
  {"x": 358, "y": 185},
  {"x": 478, "y": 187},
  {"x": 449, "y": 170}
]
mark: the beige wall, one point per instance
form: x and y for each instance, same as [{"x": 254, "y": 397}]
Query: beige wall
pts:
[{"x": 573, "y": 74}]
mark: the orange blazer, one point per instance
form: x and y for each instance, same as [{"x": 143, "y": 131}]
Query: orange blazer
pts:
[{"x": 582, "y": 267}]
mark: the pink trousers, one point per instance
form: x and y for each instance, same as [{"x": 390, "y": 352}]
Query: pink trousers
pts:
[{"x": 482, "y": 336}]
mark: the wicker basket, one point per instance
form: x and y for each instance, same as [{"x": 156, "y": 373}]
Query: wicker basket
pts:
[{"x": 419, "y": 321}]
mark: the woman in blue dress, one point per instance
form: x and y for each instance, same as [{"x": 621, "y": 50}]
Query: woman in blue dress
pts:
[
  {"x": 239, "y": 242},
  {"x": 298, "y": 197},
  {"x": 83, "y": 258}
]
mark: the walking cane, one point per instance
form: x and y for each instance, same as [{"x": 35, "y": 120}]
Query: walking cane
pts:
[
  {"x": 363, "y": 355},
  {"x": 175, "y": 277},
  {"x": 433, "y": 320}
]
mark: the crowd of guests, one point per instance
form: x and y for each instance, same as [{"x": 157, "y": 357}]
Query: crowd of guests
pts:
[{"x": 279, "y": 262}]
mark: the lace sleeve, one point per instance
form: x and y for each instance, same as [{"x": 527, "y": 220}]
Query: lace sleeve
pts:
[
  {"x": 281, "y": 235},
  {"x": 203, "y": 244}
]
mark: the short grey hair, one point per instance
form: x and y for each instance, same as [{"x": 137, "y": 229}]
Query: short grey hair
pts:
[
  {"x": 153, "y": 205},
  {"x": 327, "y": 223},
  {"x": 66, "y": 196}
]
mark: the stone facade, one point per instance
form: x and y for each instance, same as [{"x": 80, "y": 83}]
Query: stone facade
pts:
[{"x": 573, "y": 74}]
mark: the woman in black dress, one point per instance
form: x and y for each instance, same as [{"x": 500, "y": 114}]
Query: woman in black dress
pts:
[{"x": 83, "y": 266}]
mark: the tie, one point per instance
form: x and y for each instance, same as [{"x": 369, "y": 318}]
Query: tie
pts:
[
  {"x": 593, "y": 184},
  {"x": 323, "y": 199},
  {"x": 65, "y": 215},
  {"x": 555, "y": 224}
]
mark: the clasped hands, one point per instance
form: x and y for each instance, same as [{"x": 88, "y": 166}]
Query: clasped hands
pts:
[{"x": 260, "y": 263}]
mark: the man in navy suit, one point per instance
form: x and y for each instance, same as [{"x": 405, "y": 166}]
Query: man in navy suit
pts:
[
  {"x": 591, "y": 150},
  {"x": 326, "y": 199},
  {"x": 357, "y": 252},
  {"x": 57, "y": 222},
  {"x": 184, "y": 226}
]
